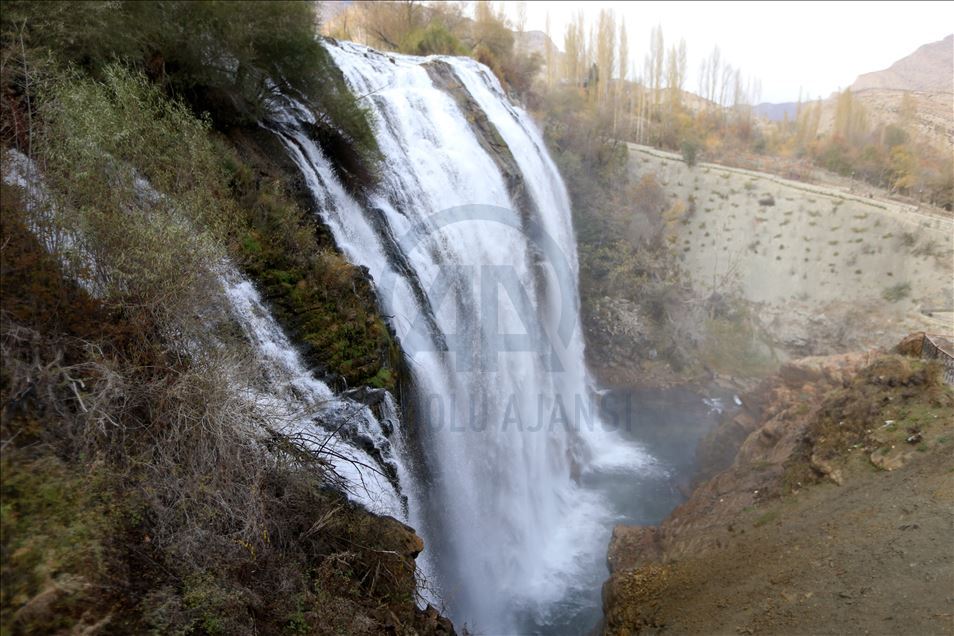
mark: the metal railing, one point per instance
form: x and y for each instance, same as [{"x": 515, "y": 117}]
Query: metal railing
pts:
[{"x": 940, "y": 349}]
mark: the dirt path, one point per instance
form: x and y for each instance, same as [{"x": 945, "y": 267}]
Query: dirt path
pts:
[{"x": 933, "y": 217}]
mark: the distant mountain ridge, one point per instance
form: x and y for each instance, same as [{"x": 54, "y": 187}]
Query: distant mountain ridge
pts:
[
  {"x": 930, "y": 69},
  {"x": 776, "y": 112},
  {"x": 926, "y": 76}
]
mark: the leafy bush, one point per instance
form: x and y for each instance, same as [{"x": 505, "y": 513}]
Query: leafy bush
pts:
[
  {"x": 733, "y": 345},
  {"x": 138, "y": 201},
  {"x": 434, "y": 39},
  {"x": 897, "y": 292},
  {"x": 690, "y": 151},
  {"x": 54, "y": 525},
  {"x": 228, "y": 59}
]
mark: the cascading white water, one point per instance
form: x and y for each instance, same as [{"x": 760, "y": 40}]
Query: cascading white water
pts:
[
  {"x": 483, "y": 297},
  {"x": 298, "y": 403},
  {"x": 368, "y": 460}
]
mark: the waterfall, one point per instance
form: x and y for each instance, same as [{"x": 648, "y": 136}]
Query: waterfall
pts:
[
  {"x": 469, "y": 240},
  {"x": 349, "y": 432}
]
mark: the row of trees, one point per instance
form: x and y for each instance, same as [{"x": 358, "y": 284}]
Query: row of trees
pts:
[
  {"x": 652, "y": 106},
  {"x": 842, "y": 136},
  {"x": 648, "y": 104}
]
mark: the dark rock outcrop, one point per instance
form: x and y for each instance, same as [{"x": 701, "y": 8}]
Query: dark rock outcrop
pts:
[{"x": 442, "y": 74}]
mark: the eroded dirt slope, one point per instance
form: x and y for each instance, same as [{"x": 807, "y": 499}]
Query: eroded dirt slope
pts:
[{"x": 835, "y": 517}]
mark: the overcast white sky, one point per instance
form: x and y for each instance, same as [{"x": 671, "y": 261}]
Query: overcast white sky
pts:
[{"x": 817, "y": 47}]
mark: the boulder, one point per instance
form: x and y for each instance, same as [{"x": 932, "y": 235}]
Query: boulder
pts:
[
  {"x": 403, "y": 538},
  {"x": 827, "y": 468},
  {"x": 890, "y": 459},
  {"x": 912, "y": 345}
]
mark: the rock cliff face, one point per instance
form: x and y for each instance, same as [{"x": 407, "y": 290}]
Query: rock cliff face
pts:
[
  {"x": 764, "y": 433},
  {"x": 804, "y": 484},
  {"x": 929, "y": 69},
  {"x": 486, "y": 134},
  {"x": 618, "y": 336}
]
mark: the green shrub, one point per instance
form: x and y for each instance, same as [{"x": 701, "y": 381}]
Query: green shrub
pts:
[
  {"x": 690, "y": 152},
  {"x": 897, "y": 292},
  {"x": 54, "y": 525},
  {"x": 327, "y": 304},
  {"x": 139, "y": 201},
  {"x": 433, "y": 39},
  {"x": 224, "y": 58},
  {"x": 908, "y": 239}
]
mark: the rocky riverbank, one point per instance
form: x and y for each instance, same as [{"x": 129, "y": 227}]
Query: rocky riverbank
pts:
[{"x": 823, "y": 505}]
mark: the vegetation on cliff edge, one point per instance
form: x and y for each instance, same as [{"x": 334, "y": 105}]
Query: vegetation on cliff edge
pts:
[{"x": 141, "y": 490}]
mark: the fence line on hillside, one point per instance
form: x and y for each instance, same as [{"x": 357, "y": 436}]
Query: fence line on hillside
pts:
[{"x": 940, "y": 349}]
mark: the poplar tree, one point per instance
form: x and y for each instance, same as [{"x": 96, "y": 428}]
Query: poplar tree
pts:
[
  {"x": 605, "y": 46},
  {"x": 623, "y": 105},
  {"x": 676, "y": 75},
  {"x": 657, "y": 55},
  {"x": 551, "y": 62}
]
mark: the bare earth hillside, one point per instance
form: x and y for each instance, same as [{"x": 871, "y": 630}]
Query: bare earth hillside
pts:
[
  {"x": 929, "y": 69},
  {"x": 834, "y": 517},
  {"x": 927, "y": 76},
  {"x": 827, "y": 270}
]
